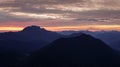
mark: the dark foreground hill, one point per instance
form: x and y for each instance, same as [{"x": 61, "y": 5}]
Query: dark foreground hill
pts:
[{"x": 80, "y": 51}]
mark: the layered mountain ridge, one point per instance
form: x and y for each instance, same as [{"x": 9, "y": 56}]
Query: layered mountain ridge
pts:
[{"x": 83, "y": 50}]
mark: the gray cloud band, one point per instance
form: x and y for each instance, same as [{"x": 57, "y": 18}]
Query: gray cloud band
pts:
[{"x": 29, "y": 10}]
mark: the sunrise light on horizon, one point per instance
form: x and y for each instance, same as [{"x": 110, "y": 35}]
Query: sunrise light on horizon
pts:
[{"x": 91, "y": 28}]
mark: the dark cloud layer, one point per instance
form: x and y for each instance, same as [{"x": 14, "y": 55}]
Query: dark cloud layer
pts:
[{"x": 107, "y": 11}]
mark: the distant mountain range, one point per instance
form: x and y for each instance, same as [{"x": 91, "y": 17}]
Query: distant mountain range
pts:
[{"x": 83, "y": 50}]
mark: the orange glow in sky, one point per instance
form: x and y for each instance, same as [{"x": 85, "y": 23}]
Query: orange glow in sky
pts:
[
  {"x": 76, "y": 28},
  {"x": 89, "y": 27},
  {"x": 10, "y": 29}
]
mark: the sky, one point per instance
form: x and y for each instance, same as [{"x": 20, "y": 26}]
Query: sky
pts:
[{"x": 59, "y": 15}]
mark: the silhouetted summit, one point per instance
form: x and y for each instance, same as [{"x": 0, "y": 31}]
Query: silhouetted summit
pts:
[
  {"x": 33, "y": 28},
  {"x": 80, "y": 51}
]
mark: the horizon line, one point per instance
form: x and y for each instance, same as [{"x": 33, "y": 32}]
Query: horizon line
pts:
[{"x": 91, "y": 28}]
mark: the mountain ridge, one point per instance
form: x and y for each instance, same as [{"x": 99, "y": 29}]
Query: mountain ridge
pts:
[
  {"x": 31, "y": 34},
  {"x": 77, "y": 51}
]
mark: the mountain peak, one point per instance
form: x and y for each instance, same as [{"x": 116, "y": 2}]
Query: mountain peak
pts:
[{"x": 33, "y": 28}]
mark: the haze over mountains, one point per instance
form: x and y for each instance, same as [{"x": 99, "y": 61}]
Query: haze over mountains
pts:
[
  {"x": 112, "y": 38},
  {"x": 35, "y": 46}
]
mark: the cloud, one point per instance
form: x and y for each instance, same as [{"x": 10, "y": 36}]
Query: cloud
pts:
[{"x": 85, "y": 11}]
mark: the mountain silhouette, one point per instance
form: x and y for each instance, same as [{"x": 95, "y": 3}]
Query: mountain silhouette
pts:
[
  {"x": 30, "y": 38},
  {"x": 80, "y": 51},
  {"x": 111, "y": 38},
  {"x": 33, "y": 28},
  {"x": 14, "y": 46}
]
